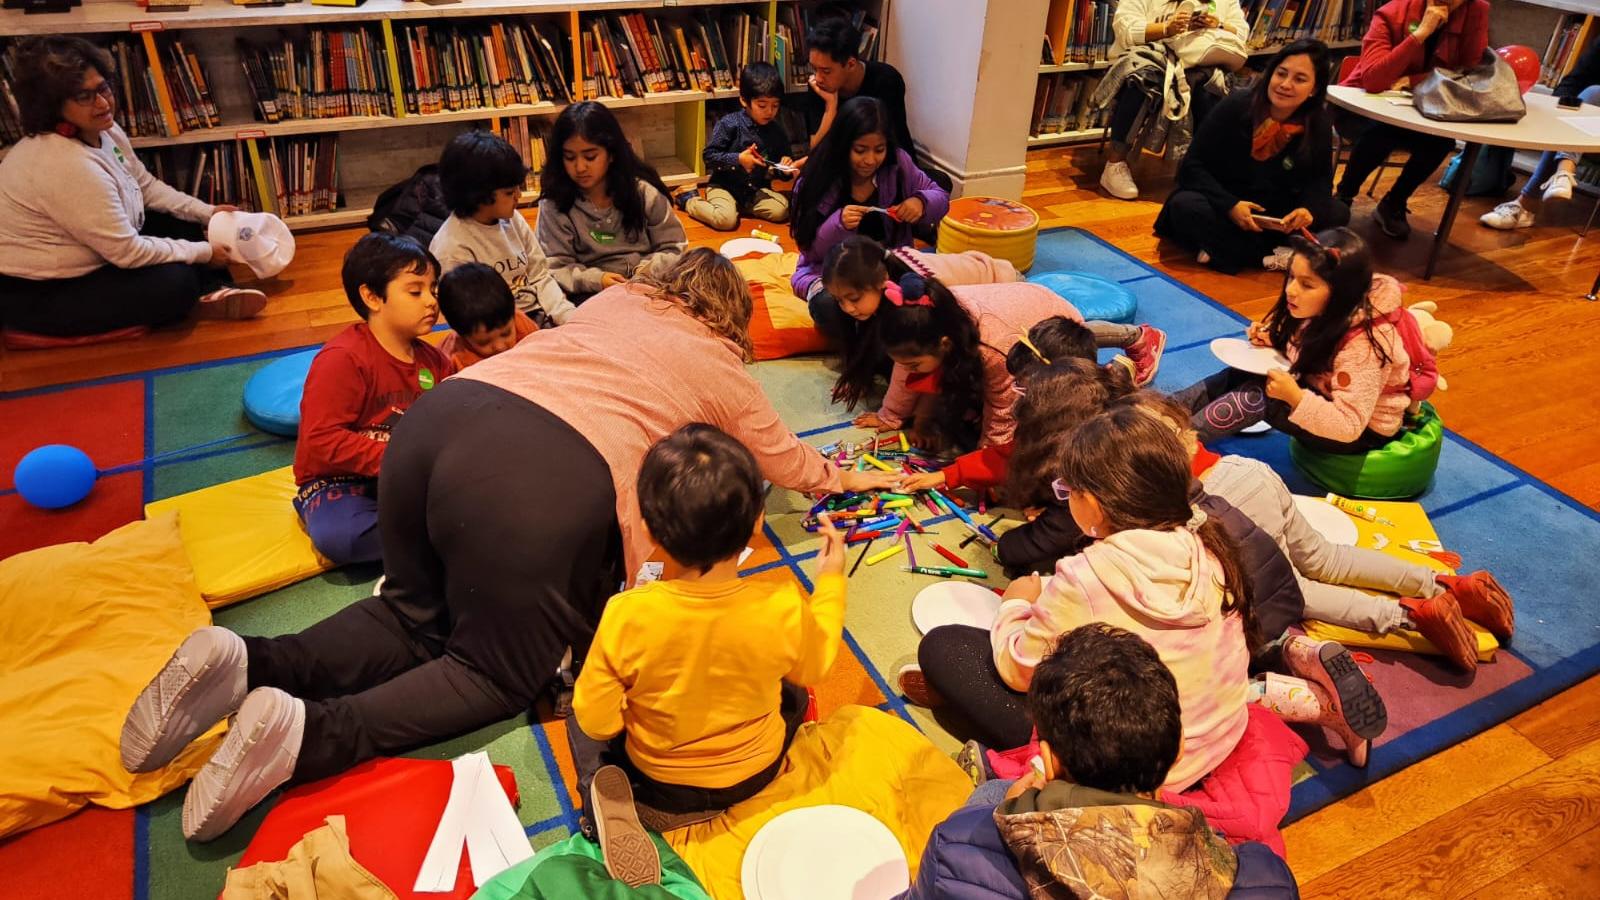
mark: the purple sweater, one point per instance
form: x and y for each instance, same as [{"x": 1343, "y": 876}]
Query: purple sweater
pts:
[{"x": 898, "y": 179}]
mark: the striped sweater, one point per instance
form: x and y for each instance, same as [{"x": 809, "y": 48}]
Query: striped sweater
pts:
[
  {"x": 1167, "y": 588},
  {"x": 629, "y": 369}
]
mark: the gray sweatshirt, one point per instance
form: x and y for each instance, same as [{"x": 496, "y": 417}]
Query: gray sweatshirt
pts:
[
  {"x": 67, "y": 209},
  {"x": 586, "y": 242},
  {"x": 510, "y": 248}
]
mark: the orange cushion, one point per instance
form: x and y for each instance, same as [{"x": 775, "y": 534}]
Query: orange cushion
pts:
[{"x": 780, "y": 324}]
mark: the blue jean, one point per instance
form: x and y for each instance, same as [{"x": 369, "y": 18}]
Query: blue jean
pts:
[
  {"x": 342, "y": 520},
  {"x": 990, "y": 793},
  {"x": 1548, "y": 160}
]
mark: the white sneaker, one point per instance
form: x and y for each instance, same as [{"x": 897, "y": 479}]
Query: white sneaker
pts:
[
  {"x": 1203, "y": 257},
  {"x": 202, "y": 684},
  {"x": 1279, "y": 260},
  {"x": 1559, "y": 187},
  {"x": 1117, "y": 179},
  {"x": 1508, "y": 216},
  {"x": 256, "y": 757}
]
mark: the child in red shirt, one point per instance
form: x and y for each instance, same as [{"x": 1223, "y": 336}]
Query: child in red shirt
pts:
[
  {"x": 482, "y": 314},
  {"x": 359, "y": 385}
]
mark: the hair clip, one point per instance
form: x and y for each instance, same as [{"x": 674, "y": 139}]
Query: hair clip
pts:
[
  {"x": 910, "y": 290},
  {"x": 1333, "y": 252},
  {"x": 1023, "y": 340}
]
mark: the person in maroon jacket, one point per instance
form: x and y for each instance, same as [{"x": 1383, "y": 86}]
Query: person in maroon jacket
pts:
[
  {"x": 359, "y": 385},
  {"x": 1406, "y": 40}
]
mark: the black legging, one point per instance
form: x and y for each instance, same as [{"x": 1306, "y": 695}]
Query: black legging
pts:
[
  {"x": 500, "y": 547},
  {"x": 110, "y": 298},
  {"x": 1189, "y": 219},
  {"x": 1374, "y": 141},
  {"x": 958, "y": 663}
]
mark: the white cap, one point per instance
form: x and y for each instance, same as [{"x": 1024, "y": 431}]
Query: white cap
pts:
[{"x": 259, "y": 240}]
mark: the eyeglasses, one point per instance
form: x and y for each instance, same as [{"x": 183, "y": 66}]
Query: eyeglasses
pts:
[
  {"x": 87, "y": 98},
  {"x": 1063, "y": 493}
]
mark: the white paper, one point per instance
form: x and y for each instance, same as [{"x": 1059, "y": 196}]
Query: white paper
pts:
[
  {"x": 479, "y": 816},
  {"x": 1589, "y": 125},
  {"x": 439, "y": 865},
  {"x": 746, "y": 554}
]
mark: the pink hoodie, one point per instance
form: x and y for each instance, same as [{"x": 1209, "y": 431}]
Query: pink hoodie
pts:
[
  {"x": 1003, "y": 312},
  {"x": 1359, "y": 391},
  {"x": 1167, "y": 588}
]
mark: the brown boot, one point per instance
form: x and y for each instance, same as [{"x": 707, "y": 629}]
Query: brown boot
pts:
[
  {"x": 1483, "y": 601},
  {"x": 1440, "y": 621}
]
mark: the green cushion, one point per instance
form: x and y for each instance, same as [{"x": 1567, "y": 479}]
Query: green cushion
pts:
[{"x": 1398, "y": 470}]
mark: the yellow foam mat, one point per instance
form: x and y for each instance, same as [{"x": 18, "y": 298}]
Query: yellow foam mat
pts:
[
  {"x": 243, "y": 537},
  {"x": 1410, "y": 523}
]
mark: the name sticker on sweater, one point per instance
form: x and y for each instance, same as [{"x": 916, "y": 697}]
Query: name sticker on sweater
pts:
[
  {"x": 602, "y": 237},
  {"x": 425, "y": 379}
]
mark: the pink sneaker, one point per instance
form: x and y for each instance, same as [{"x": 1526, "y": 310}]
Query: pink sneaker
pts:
[
  {"x": 1359, "y": 710},
  {"x": 231, "y": 303},
  {"x": 1146, "y": 354}
]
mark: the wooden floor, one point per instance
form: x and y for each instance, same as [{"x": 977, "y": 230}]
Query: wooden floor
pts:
[{"x": 1513, "y": 812}]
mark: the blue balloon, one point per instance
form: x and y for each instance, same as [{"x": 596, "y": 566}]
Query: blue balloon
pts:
[
  {"x": 54, "y": 476},
  {"x": 1096, "y": 298}
]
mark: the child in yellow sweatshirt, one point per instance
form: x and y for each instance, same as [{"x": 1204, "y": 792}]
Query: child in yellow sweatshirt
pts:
[{"x": 694, "y": 686}]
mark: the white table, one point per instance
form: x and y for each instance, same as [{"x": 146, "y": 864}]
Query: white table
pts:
[{"x": 1545, "y": 127}]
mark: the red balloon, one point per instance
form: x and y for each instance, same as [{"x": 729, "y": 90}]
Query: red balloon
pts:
[{"x": 1524, "y": 62}]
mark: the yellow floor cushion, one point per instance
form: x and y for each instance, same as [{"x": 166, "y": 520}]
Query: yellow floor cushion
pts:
[
  {"x": 857, "y": 757},
  {"x": 84, "y": 628},
  {"x": 1410, "y": 523},
  {"x": 243, "y": 537}
]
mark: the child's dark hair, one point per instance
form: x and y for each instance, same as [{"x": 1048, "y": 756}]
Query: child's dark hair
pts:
[
  {"x": 1057, "y": 399},
  {"x": 856, "y": 263},
  {"x": 836, "y": 38},
  {"x": 473, "y": 296},
  {"x": 599, "y": 126},
  {"x": 700, "y": 493},
  {"x": 1139, "y": 471},
  {"x": 473, "y": 166},
  {"x": 1341, "y": 258},
  {"x": 827, "y": 171},
  {"x": 1054, "y": 339},
  {"x": 759, "y": 80},
  {"x": 1108, "y": 707},
  {"x": 928, "y": 317},
  {"x": 379, "y": 258}
]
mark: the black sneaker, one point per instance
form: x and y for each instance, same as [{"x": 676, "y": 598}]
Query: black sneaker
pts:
[{"x": 1392, "y": 219}]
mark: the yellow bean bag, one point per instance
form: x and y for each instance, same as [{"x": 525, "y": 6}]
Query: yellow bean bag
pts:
[
  {"x": 1410, "y": 523},
  {"x": 83, "y": 628},
  {"x": 244, "y": 537},
  {"x": 857, "y": 757}
]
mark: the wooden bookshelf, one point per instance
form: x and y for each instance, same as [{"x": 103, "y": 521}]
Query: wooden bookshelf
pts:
[{"x": 1065, "y": 137}]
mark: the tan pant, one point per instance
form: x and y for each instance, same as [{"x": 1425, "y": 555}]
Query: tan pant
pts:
[{"x": 719, "y": 210}]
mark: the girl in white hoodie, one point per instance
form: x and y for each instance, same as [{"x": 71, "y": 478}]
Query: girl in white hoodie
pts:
[{"x": 1158, "y": 568}]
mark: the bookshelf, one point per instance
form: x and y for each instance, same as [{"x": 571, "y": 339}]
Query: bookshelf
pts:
[{"x": 382, "y": 61}]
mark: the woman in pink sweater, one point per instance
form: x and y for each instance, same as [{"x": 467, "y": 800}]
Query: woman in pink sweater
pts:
[
  {"x": 949, "y": 345},
  {"x": 1158, "y": 567},
  {"x": 1349, "y": 380}
]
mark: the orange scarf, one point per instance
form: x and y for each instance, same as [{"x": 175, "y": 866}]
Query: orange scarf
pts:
[{"x": 1271, "y": 137}]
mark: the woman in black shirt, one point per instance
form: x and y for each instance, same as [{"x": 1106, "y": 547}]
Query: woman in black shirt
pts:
[{"x": 1265, "y": 152}]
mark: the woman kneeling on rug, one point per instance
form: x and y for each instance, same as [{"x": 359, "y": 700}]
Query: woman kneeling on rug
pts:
[
  {"x": 508, "y": 514},
  {"x": 94, "y": 242},
  {"x": 1266, "y": 152}
]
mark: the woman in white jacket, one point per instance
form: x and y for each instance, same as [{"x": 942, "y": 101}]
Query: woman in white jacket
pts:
[
  {"x": 93, "y": 242},
  {"x": 1147, "y": 22}
]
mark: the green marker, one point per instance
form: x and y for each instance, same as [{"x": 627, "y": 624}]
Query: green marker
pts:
[{"x": 946, "y": 571}]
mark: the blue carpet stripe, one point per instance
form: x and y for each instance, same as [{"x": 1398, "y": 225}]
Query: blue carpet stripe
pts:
[
  {"x": 569, "y": 815},
  {"x": 141, "y": 852},
  {"x": 149, "y": 474},
  {"x": 1467, "y": 502},
  {"x": 554, "y": 821}
]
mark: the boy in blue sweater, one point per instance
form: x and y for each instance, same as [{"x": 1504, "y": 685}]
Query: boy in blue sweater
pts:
[
  {"x": 1086, "y": 823},
  {"x": 747, "y": 150}
]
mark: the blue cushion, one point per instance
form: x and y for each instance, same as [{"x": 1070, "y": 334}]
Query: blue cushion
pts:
[
  {"x": 1098, "y": 299},
  {"x": 272, "y": 395}
]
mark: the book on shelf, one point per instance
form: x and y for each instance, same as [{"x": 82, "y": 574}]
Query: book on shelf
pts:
[
  {"x": 527, "y": 135},
  {"x": 1061, "y": 104},
  {"x": 637, "y": 54},
  {"x": 795, "y": 20},
  {"x": 1078, "y": 31},
  {"x": 326, "y": 73},
  {"x": 481, "y": 65},
  {"x": 1571, "y": 35},
  {"x": 1274, "y": 22},
  {"x": 216, "y": 173},
  {"x": 303, "y": 174}
]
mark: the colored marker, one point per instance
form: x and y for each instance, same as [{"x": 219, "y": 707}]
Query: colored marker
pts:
[
  {"x": 885, "y": 554},
  {"x": 950, "y": 556},
  {"x": 898, "y": 504},
  {"x": 958, "y": 511},
  {"x": 878, "y": 463},
  {"x": 863, "y": 555},
  {"x": 946, "y": 571},
  {"x": 905, "y": 447},
  {"x": 910, "y": 553}
]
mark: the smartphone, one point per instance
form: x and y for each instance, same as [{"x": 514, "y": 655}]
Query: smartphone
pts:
[
  {"x": 1569, "y": 102},
  {"x": 1272, "y": 223},
  {"x": 782, "y": 171}
]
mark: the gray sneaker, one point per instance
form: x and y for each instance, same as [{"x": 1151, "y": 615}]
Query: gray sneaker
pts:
[
  {"x": 256, "y": 757},
  {"x": 200, "y": 685}
]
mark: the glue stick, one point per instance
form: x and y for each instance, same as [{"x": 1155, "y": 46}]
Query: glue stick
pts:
[
  {"x": 763, "y": 235},
  {"x": 1354, "y": 508}
]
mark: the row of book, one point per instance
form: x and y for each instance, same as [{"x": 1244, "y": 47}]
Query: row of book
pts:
[
  {"x": 216, "y": 173},
  {"x": 1567, "y": 42},
  {"x": 527, "y": 136},
  {"x": 1281, "y": 21},
  {"x": 303, "y": 174},
  {"x": 482, "y": 64},
  {"x": 10, "y": 118},
  {"x": 292, "y": 176},
  {"x": 1061, "y": 104},
  {"x": 325, "y": 73},
  {"x": 1078, "y": 31},
  {"x": 792, "y": 56}
]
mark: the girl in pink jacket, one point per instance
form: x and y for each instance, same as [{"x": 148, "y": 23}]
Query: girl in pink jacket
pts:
[{"x": 1349, "y": 380}]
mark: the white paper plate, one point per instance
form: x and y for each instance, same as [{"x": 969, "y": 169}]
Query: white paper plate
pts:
[
  {"x": 744, "y": 246},
  {"x": 1238, "y": 353},
  {"x": 824, "y": 853},
  {"x": 1328, "y": 520},
  {"x": 954, "y": 603},
  {"x": 1257, "y": 428}
]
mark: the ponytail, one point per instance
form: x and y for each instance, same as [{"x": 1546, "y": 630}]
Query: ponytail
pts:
[
  {"x": 918, "y": 314},
  {"x": 1235, "y": 584}
]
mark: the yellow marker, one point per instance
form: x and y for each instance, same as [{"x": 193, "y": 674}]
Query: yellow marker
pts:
[
  {"x": 876, "y": 558},
  {"x": 898, "y": 504},
  {"x": 763, "y": 235},
  {"x": 905, "y": 447},
  {"x": 874, "y": 461}
]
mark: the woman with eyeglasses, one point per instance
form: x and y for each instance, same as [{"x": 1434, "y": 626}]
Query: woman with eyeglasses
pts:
[{"x": 93, "y": 243}]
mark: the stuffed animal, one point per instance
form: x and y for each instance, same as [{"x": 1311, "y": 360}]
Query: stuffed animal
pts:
[{"x": 1436, "y": 335}]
